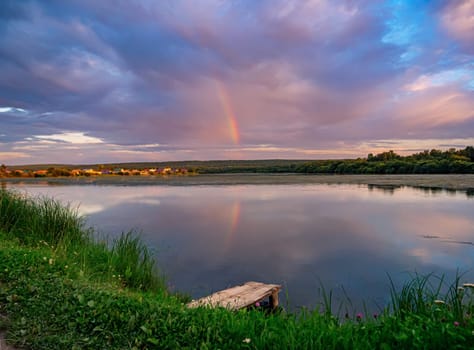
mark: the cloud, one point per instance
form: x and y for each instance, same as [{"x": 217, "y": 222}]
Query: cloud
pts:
[
  {"x": 11, "y": 110},
  {"x": 448, "y": 77},
  {"x": 299, "y": 75},
  {"x": 13, "y": 156},
  {"x": 71, "y": 137},
  {"x": 458, "y": 19}
]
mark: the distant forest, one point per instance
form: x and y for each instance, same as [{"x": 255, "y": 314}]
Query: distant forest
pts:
[
  {"x": 452, "y": 161},
  {"x": 435, "y": 161}
]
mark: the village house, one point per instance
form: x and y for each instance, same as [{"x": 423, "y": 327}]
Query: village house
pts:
[
  {"x": 40, "y": 173},
  {"x": 91, "y": 172},
  {"x": 167, "y": 171}
]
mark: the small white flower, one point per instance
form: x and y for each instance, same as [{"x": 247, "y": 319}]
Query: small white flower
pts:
[{"x": 246, "y": 340}]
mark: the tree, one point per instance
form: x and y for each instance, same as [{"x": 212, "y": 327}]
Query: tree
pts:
[
  {"x": 469, "y": 152},
  {"x": 384, "y": 156}
]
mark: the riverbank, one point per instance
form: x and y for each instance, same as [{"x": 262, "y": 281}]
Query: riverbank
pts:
[
  {"x": 460, "y": 182},
  {"x": 59, "y": 295}
]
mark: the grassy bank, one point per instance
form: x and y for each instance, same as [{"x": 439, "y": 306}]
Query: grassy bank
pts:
[
  {"x": 44, "y": 222},
  {"x": 62, "y": 289}
]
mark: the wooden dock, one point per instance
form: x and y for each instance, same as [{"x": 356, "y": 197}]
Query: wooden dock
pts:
[{"x": 242, "y": 296}]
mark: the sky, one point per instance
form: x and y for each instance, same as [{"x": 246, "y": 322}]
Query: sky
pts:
[{"x": 86, "y": 81}]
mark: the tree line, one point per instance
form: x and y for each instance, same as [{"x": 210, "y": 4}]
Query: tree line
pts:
[
  {"x": 432, "y": 161},
  {"x": 452, "y": 161},
  {"x": 435, "y": 161}
]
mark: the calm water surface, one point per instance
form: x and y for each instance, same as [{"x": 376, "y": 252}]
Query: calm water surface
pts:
[{"x": 346, "y": 237}]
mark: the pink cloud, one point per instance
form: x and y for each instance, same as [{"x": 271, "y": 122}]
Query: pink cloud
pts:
[
  {"x": 422, "y": 112},
  {"x": 458, "y": 19}
]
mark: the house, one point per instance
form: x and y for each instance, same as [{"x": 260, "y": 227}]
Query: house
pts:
[
  {"x": 167, "y": 171},
  {"x": 40, "y": 173},
  {"x": 90, "y": 172}
]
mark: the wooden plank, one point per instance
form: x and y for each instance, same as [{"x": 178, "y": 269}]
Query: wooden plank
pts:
[{"x": 240, "y": 296}]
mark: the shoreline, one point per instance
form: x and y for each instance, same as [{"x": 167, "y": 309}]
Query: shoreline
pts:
[{"x": 458, "y": 182}]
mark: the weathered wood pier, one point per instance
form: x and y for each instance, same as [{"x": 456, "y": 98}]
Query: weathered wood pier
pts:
[{"x": 242, "y": 296}]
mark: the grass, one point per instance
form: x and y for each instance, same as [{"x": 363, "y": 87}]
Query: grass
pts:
[
  {"x": 42, "y": 221},
  {"x": 99, "y": 295}
]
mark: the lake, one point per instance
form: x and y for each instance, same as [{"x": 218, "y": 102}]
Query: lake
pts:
[{"x": 348, "y": 238}]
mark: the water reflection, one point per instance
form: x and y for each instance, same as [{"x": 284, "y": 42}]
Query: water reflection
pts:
[
  {"x": 211, "y": 237},
  {"x": 391, "y": 189},
  {"x": 388, "y": 189}
]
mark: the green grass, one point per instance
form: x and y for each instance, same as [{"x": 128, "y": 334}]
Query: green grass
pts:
[
  {"x": 45, "y": 222},
  {"x": 99, "y": 295},
  {"x": 33, "y": 220}
]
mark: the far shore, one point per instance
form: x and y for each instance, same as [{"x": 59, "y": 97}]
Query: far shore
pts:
[{"x": 462, "y": 182}]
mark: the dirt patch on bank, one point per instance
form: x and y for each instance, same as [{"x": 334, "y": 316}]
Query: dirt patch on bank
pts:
[{"x": 3, "y": 344}]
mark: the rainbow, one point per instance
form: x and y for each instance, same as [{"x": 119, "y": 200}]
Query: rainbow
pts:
[
  {"x": 234, "y": 222},
  {"x": 229, "y": 113}
]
